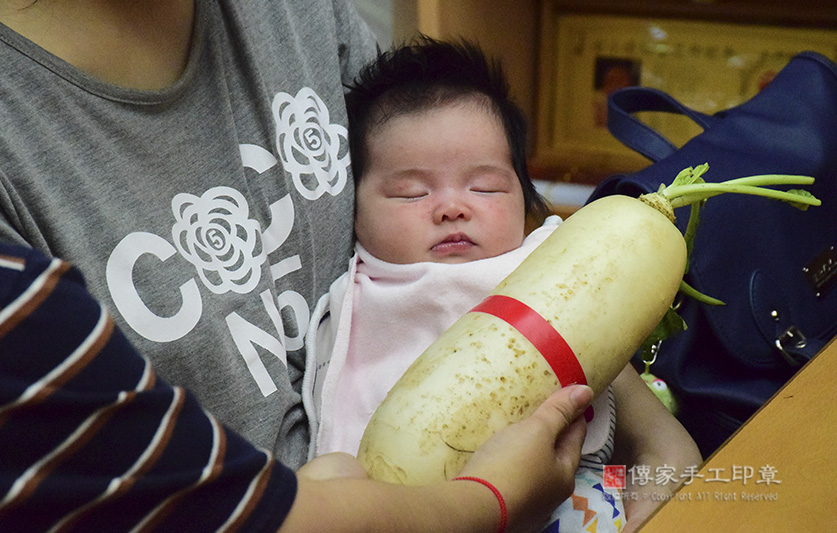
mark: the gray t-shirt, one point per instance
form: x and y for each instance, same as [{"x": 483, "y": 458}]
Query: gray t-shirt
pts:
[{"x": 207, "y": 217}]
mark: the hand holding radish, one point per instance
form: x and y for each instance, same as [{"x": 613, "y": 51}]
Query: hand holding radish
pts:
[
  {"x": 531, "y": 465},
  {"x": 532, "y": 462}
]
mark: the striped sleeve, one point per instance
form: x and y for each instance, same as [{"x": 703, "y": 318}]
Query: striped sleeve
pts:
[{"x": 91, "y": 440}]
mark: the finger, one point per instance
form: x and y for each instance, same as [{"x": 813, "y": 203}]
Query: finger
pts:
[
  {"x": 564, "y": 406},
  {"x": 569, "y": 442}
]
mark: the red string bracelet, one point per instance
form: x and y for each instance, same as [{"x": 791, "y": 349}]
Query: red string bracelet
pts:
[{"x": 504, "y": 515}]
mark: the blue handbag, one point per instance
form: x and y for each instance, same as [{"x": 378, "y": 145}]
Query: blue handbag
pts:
[{"x": 774, "y": 266}]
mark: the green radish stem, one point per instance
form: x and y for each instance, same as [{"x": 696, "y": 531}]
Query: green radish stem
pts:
[
  {"x": 689, "y": 189},
  {"x": 688, "y": 290},
  {"x": 689, "y": 194}
]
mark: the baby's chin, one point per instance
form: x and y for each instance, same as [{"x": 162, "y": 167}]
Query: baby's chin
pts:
[{"x": 456, "y": 259}]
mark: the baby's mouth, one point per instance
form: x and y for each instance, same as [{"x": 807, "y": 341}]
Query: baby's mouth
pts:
[{"x": 455, "y": 242}]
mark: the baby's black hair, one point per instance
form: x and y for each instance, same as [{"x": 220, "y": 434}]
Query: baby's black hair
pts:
[{"x": 429, "y": 73}]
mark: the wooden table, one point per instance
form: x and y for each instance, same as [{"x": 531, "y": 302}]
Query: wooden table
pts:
[{"x": 780, "y": 467}]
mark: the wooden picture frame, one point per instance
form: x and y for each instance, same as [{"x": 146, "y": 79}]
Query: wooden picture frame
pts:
[{"x": 708, "y": 64}]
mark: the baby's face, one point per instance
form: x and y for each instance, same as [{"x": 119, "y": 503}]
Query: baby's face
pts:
[{"x": 440, "y": 187}]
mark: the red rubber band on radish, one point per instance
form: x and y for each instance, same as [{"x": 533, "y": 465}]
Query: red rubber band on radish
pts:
[{"x": 540, "y": 333}]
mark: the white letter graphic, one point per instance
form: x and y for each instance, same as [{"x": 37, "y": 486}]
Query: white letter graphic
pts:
[{"x": 119, "y": 274}]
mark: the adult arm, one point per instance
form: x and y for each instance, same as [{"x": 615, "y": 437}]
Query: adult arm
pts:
[
  {"x": 92, "y": 440},
  {"x": 648, "y": 436},
  {"x": 531, "y": 464}
]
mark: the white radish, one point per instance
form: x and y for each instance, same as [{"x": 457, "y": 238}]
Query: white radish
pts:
[{"x": 601, "y": 282}]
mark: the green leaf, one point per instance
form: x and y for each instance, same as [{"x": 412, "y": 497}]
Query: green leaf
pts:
[
  {"x": 690, "y": 175},
  {"x": 801, "y": 193},
  {"x": 670, "y": 325}
]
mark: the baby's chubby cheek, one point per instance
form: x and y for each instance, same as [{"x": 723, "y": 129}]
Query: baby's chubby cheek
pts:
[{"x": 394, "y": 243}]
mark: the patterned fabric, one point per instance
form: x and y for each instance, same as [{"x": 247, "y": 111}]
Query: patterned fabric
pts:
[
  {"x": 596, "y": 459},
  {"x": 91, "y": 440},
  {"x": 592, "y": 508}
]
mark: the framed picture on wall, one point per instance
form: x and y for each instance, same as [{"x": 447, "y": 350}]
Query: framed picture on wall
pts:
[{"x": 707, "y": 65}]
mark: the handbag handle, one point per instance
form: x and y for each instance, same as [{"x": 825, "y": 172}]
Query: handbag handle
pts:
[{"x": 638, "y": 136}]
